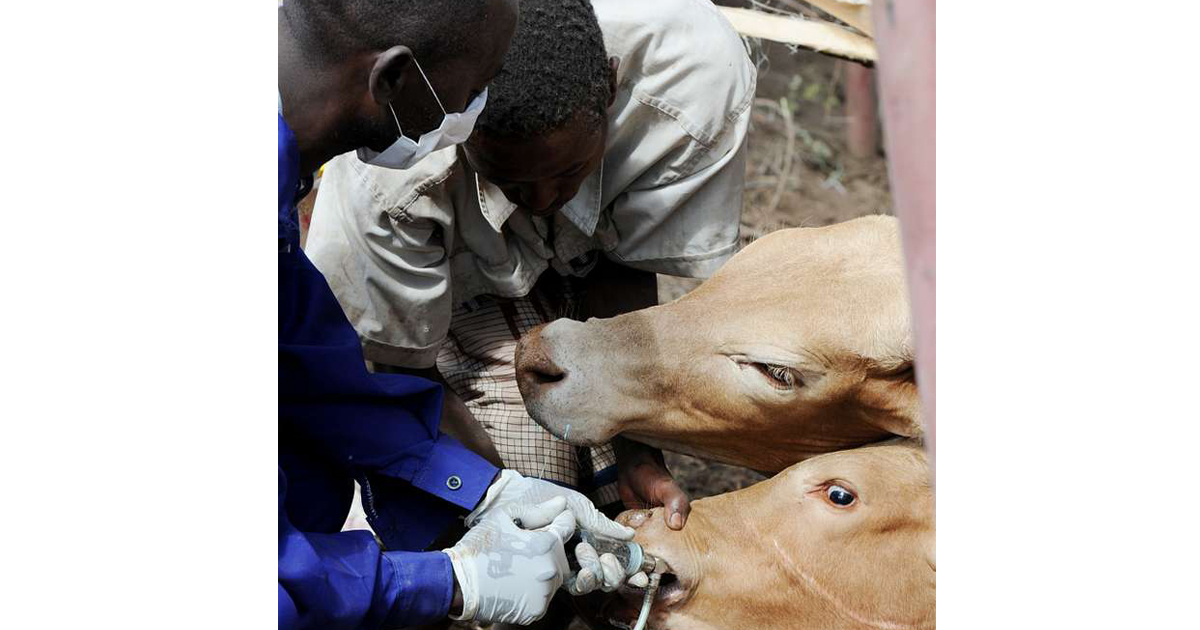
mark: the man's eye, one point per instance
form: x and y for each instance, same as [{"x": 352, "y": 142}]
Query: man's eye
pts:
[{"x": 779, "y": 376}]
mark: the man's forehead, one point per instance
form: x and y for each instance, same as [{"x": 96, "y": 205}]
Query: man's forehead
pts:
[{"x": 535, "y": 158}]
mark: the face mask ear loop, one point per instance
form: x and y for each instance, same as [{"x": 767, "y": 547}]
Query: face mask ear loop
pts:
[
  {"x": 398, "y": 129},
  {"x": 430, "y": 85}
]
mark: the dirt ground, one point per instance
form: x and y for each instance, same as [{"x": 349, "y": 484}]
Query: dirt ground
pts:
[{"x": 817, "y": 182}]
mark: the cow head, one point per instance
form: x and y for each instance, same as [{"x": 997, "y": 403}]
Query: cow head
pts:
[
  {"x": 799, "y": 345},
  {"x": 844, "y": 540}
]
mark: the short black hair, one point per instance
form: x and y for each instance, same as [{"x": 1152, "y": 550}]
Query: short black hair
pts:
[
  {"x": 556, "y": 69},
  {"x": 330, "y": 30}
]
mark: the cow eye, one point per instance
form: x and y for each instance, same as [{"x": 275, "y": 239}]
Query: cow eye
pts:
[
  {"x": 839, "y": 495},
  {"x": 779, "y": 376}
]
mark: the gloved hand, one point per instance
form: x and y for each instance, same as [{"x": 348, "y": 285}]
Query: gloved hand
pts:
[
  {"x": 596, "y": 571},
  {"x": 508, "y": 574},
  {"x": 512, "y": 492}
]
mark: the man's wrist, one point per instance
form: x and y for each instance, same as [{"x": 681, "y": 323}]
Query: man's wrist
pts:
[
  {"x": 456, "y": 602},
  {"x": 462, "y": 607},
  {"x": 489, "y": 496},
  {"x": 630, "y": 454}
]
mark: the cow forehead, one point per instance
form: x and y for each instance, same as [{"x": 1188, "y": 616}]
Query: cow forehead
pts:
[
  {"x": 834, "y": 291},
  {"x": 865, "y": 317},
  {"x": 870, "y": 468},
  {"x": 867, "y": 239},
  {"x": 862, "y": 265}
]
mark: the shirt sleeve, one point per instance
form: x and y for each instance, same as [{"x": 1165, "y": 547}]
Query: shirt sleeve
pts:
[
  {"x": 345, "y": 581},
  {"x": 685, "y": 224},
  {"x": 385, "y": 424},
  {"x": 391, "y": 275}
]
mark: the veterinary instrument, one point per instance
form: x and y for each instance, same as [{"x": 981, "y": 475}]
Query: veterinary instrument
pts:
[{"x": 633, "y": 560}]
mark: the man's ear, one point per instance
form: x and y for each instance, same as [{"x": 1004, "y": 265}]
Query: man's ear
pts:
[
  {"x": 387, "y": 75},
  {"x": 613, "y": 63}
]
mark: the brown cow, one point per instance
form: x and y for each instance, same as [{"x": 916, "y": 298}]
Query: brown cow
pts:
[
  {"x": 799, "y": 345},
  {"x": 840, "y": 541}
]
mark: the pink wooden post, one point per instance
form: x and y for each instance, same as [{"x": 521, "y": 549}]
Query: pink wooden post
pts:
[{"x": 905, "y": 36}]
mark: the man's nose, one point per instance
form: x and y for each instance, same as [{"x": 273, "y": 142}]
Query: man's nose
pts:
[{"x": 539, "y": 198}]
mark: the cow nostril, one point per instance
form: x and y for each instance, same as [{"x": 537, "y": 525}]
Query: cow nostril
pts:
[
  {"x": 634, "y": 518},
  {"x": 545, "y": 373},
  {"x": 534, "y": 367}
]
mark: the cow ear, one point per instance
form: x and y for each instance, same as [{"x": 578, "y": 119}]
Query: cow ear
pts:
[{"x": 893, "y": 404}]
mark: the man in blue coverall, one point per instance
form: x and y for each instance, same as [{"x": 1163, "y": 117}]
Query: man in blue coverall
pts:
[{"x": 394, "y": 79}]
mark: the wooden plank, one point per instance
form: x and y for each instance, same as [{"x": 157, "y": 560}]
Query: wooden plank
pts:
[
  {"x": 856, "y": 14},
  {"x": 822, "y": 37}
]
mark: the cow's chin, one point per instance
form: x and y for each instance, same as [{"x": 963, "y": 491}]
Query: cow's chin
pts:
[
  {"x": 623, "y": 610},
  {"x": 581, "y": 430},
  {"x": 620, "y": 610}
]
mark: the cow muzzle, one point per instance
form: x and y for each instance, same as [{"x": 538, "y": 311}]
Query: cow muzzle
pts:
[
  {"x": 535, "y": 369},
  {"x": 560, "y": 396},
  {"x": 676, "y": 585}
]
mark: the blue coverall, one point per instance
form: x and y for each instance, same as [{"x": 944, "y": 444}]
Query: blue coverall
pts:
[{"x": 339, "y": 423}]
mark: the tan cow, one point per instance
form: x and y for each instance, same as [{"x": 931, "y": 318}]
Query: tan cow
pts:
[
  {"x": 840, "y": 541},
  {"x": 799, "y": 345}
]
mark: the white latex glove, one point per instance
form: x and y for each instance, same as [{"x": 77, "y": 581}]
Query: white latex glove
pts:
[
  {"x": 512, "y": 492},
  {"x": 508, "y": 574},
  {"x": 596, "y": 571}
]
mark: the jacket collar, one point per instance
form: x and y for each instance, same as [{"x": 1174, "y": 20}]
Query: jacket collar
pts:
[{"x": 583, "y": 210}]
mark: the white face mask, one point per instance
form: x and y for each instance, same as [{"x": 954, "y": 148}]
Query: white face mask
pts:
[{"x": 455, "y": 129}]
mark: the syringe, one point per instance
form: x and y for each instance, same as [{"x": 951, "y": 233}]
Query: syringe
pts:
[{"x": 633, "y": 560}]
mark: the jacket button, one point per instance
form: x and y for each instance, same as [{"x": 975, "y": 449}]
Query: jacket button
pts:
[{"x": 454, "y": 482}]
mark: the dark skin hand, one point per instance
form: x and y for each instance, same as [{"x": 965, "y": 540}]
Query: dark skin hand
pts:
[{"x": 643, "y": 481}]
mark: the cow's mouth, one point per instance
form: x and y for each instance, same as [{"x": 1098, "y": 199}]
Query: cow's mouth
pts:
[
  {"x": 622, "y": 609},
  {"x": 675, "y": 588}
]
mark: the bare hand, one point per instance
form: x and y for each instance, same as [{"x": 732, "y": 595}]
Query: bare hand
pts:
[{"x": 643, "y": 481}]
